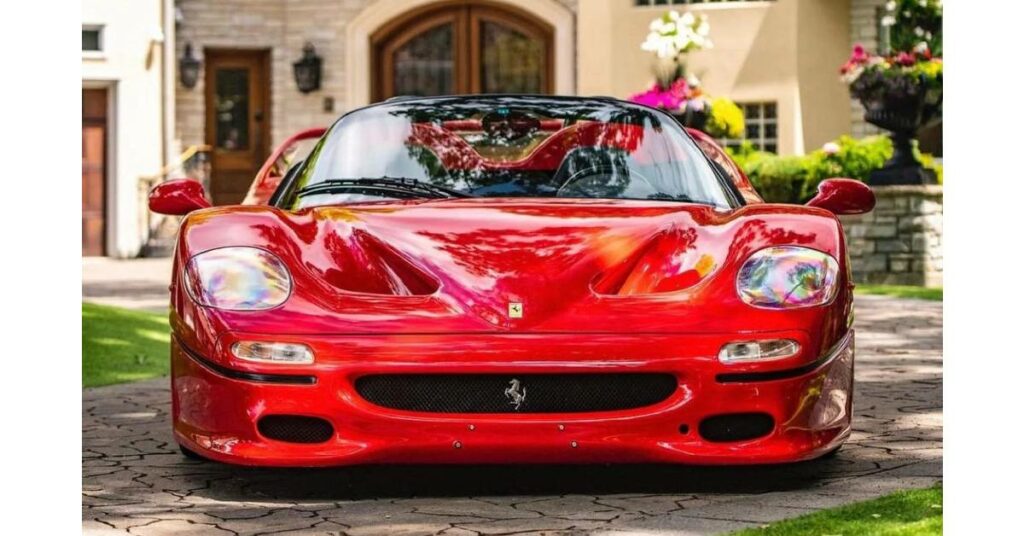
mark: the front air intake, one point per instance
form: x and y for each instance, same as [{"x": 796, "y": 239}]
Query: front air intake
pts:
[
  {"x": 736, "y": 427},
  {"x": 295, "y": 428},
  {"x": 516, "y": 393}
]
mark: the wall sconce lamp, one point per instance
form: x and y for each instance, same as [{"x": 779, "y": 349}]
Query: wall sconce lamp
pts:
[
  {"x": 188, "y": 68},
  {"x": 307, "y": 70}
]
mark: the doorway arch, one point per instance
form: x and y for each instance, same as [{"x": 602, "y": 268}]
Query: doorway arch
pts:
[
  {"x": 390, "y": 23},
  {"x": 462, "y": 47}
]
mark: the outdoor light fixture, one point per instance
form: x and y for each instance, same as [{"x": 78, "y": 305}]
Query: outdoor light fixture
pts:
[
  {"x": 188, "y": 68},
  {"x": 307, "y": 70}
]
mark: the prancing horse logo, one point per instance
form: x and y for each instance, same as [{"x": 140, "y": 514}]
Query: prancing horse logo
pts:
[{"x": 515, "y": 396}]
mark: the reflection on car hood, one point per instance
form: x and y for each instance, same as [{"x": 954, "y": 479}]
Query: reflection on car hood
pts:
[{"x": 476, "y": 258}]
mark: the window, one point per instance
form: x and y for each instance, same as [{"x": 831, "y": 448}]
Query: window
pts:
[
  {"x": 690, "y": 2},
  {"x": 762, "y": 126},
  {"x": 92, "y": 39},
  {"x": 458, "y": 49}
]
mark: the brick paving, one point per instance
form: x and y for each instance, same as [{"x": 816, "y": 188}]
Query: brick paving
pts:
[{"x": 135, "y": 482}]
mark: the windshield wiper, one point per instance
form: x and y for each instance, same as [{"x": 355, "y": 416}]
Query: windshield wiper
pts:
[{"x": 398, "y": 184}]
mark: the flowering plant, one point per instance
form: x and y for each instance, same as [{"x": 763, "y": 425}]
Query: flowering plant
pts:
[
  {"x": 668, "y": 98},
  {"x": 914, "y": 69},
  {"x": 911, "y": 22},
  {"x": 673, "y": 34},
  {"x": 902, "y": 90},
  {"x": 903, "y": 74},
  {"x": 671, "y": 37}
]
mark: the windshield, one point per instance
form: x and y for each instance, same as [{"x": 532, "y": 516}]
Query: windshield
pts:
[{"x": 504, "y": 147}]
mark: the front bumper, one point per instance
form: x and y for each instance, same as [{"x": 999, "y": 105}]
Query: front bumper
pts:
[{"x": 217, "y": 402}]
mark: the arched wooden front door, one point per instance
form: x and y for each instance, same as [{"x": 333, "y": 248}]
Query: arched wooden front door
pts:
[{"x": 462, "y": 47}]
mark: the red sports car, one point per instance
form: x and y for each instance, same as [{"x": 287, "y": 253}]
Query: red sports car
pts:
[{"x": 510, "y": 279}]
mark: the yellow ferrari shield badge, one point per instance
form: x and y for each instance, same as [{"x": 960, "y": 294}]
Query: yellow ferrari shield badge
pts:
[{"x": 515, "y": 310}]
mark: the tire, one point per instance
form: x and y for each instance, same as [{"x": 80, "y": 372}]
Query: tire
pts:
[{"x": 191, "y": 455}]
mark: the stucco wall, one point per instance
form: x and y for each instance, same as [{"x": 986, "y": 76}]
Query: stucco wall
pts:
[
  {"x": 784, "y": 51},
  {"x": 130, "y": 68}
]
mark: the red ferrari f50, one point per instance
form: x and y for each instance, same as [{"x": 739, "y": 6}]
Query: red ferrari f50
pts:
[{"x": 510, "y": 279}]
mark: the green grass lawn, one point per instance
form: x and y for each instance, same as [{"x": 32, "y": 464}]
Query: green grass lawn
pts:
[
  {"x": 904, "y": 513},
  {"x": 900, "y": 291},
  {"x": 119, "y": 345}
]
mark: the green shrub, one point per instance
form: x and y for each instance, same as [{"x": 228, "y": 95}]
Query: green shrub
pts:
[
  {"x": 725, "y": 120},
  {"x": 779, "y": 178},
  {"x": 929, "y": 162},
  {"x": 855, "y": 159},
  {"x": 794, "y": 179}
]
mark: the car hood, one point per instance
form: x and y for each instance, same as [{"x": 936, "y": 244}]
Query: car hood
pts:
[{"x": 507, "y": 264}]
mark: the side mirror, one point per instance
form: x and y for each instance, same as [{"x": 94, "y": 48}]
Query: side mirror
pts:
[
  {"x": 177, "y": 197},
  {"x": 843, "y": 196}
]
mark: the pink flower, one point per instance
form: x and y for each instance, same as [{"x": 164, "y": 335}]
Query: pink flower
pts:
[
  {"x": 905, "y": 59},
  {"x": 830, "y": 148},
  {"x": 658, "y": 97},
  {"x": 859, "y": 55}
]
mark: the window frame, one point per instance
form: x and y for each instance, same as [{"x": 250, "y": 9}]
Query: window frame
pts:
[
  {"x": 101, "y": 40},
  {"x": 762, "y": 141}
]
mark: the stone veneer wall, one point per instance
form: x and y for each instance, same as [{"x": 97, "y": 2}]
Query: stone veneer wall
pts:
[
  {"x": 900, "y": 242},
  {"x": 864, "y": 31}
]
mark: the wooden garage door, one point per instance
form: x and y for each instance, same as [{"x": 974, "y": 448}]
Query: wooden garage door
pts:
[{"x": 94, "y": 170}]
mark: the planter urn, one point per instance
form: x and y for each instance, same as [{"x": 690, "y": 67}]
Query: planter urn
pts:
[{"x": 902, "y": 111}]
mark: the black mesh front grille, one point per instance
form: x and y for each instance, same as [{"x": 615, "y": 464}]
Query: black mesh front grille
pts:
[
  {"x": 295, "y": 428},
  {"x": 515, "y": 393}
]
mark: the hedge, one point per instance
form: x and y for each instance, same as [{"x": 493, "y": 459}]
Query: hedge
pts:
[{"x": 794, "y": 179}]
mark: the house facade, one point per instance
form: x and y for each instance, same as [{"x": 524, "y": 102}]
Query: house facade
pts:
[
  {"x": 777, "y": 58},
  {"x": 127, "y": 80}
]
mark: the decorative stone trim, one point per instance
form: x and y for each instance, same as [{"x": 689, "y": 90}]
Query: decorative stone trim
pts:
[{"x": 900, "y": 242}]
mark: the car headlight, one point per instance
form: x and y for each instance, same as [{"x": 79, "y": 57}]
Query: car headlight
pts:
[
  {"x": 238, "y": 279},
  {"x": 785, "y": 277}
]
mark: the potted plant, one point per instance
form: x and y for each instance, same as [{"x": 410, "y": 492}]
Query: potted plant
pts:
[
  {"x": 901, "y": 91},
  {"x": 672, "y": 37}
]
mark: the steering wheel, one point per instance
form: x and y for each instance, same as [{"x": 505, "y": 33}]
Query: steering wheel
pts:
[{"x": 595, "y": 170}]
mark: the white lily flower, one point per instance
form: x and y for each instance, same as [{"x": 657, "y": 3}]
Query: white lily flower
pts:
[
  {"x": 688, "y": 18},
  {"x": 890, "y": 5}
]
